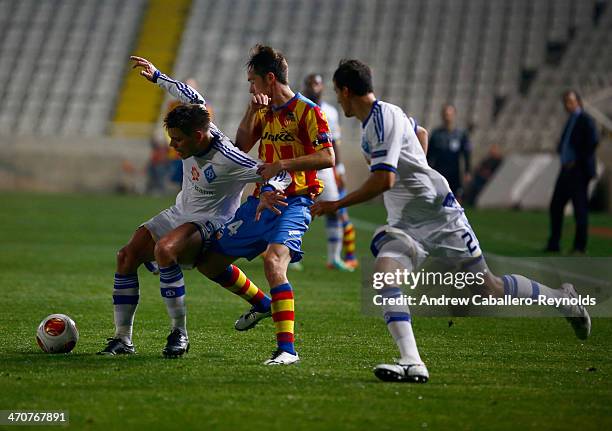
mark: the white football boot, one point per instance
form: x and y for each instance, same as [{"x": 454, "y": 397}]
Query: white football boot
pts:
[
  {"x": 249, "y": 319},
  {"x": 411, "y": 373},
  {"x": 280, "y": 357},
  {"x": 576, "y": 315}
]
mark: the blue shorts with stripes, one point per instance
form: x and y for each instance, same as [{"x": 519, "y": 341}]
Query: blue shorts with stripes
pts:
[{"x": 242, "y": 236}]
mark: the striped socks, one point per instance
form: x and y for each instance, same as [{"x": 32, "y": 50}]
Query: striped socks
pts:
[
  {"x": 399, "y": 324},
  {"x": 348, "y": 240},
  {"x": 334, "y": 239},
  {"x": 519, "y": 286},
  {"x": 125, "y": 300},
  {"x": 172, "y": 288},
  {"x": 283, "y": 316},
  {"x": 234, "y": 280}
]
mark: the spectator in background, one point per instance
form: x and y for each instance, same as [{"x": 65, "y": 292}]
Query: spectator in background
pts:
[
  {"x": 577, "y": 150},
  {"x": 482, "y": 174},
  {"x": 157, "y": 167},
  {"x": 446, "y": 145}
]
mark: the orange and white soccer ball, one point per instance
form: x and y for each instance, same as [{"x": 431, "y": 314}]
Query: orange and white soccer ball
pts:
[{"x": 57, "y": 333}]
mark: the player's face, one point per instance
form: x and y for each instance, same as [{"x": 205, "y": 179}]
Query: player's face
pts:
[
  {"x": 257, "y": 84},
  {"x": 342, "y": 96},
  {"x": 185, "y": 145}
]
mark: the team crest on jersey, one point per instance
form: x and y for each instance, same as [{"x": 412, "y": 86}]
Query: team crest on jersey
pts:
[
  {"x": 209, "y": 174},
  {"x": 195, "y": 173},
  {"x": 364, "y": 145}
]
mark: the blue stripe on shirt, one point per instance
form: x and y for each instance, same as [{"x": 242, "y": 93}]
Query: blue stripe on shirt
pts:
[
  {"x": 235, "y": 157},
  {"x": 383, "y": 167}
]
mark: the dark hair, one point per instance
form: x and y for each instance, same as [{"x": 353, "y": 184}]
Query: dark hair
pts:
[
  {"x": 354, "y": 75},
  {"x": 188, "y": 118},
  {"x": 567, "y": 93},
  {"x": 264, "y": 59}
]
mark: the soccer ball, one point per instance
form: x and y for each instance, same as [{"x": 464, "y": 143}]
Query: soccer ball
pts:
[{"x": 57, "y": 333}]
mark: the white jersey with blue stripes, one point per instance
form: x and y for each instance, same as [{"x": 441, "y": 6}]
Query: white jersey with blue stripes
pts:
[
  {"x": 214, "y": 180},
  {"x": 390, "y": 143}
]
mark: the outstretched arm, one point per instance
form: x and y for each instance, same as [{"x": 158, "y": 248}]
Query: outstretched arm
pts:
[
  {"x": 177, "y": 89},
  {"x": 318, "y": 160},
  {"x": 377, "y": 183}
]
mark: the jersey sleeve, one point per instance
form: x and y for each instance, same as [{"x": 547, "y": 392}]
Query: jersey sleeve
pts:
[
  {"x": 244, "y": 169},
  {"x": 386, "y": 141},
  {"x": 178, "y": 89},
  {"x": 318, "y": 129}
]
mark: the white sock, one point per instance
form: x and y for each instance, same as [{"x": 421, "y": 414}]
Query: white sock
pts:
[
  {"x": 172, "y": 287},
  {"x": 399, "y": 324},
  {"x": 125, "y": 300},
  {"x": 334, "y": 231},
  {"x": 519, "y": 286}
]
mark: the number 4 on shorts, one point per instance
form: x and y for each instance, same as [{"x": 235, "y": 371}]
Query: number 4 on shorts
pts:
[{"x": 234, "y": 226}]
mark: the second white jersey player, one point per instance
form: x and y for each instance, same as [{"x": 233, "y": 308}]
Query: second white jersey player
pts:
[{"x": 420, "y": 201}]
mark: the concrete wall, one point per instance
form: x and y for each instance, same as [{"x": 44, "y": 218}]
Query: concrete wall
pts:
[{"x": 72, "y": 164}]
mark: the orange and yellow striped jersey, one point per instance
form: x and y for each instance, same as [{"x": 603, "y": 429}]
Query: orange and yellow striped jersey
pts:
[{"x": 295, "y": 129}]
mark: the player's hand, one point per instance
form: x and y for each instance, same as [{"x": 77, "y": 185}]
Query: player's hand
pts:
[
  {"x": 269, "y": 200},
  {"x": 148, "y": 69},
  {"x": 269, "y": 170},
  {"x": 324, "y": 207},
  {"x": 259, "y": 101}
]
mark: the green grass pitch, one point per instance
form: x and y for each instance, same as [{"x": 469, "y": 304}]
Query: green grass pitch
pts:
[{"x": 57, "y": 255}]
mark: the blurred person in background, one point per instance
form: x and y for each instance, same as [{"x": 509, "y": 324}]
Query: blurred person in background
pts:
[
  {"x": 482, "y": 174},
  {"x": 447, "y": 145},
  {"x": 340, "y": 230},
  {"x": 158, "y": 166},
  {"x": 577, "y": 151}
]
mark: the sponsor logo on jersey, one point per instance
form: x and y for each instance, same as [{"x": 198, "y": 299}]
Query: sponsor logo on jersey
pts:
[
  {"x": 209, "y": 174},
  {"x": 294, "y": 233},
  {"x": 283, "y": 136},
  {"x": 195, "y": 173},
  {"x": 201, "y": 190}
]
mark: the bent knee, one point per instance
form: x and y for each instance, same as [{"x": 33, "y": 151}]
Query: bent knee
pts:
[
  {"x": 275, "y": 267},
  {"x": 125, "y": 256},
  {"x": 166, "y": 249}
]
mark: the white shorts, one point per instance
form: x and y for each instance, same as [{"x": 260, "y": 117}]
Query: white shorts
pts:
[
  {"x": 448, "y": 236},
  {"x": 171, "y": 218},
  {"x": 330, "y": 188}
]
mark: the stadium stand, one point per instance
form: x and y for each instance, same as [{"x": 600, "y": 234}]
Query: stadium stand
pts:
[
  {"x": 61, "y": 59},
  {"x": 424, "y": 53},
  {"x": 502, "y": 63},
  {"x": 60, "y": 63},
  {"x": 532, "y": 122}
]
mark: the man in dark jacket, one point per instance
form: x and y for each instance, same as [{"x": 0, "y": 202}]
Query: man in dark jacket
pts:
[
  {"x": 577, "y": 150},
  {"x": 447, "y": 145}
]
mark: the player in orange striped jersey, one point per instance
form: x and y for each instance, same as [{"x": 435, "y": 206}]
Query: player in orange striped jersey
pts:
[{"x": 294, "y": 136}]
